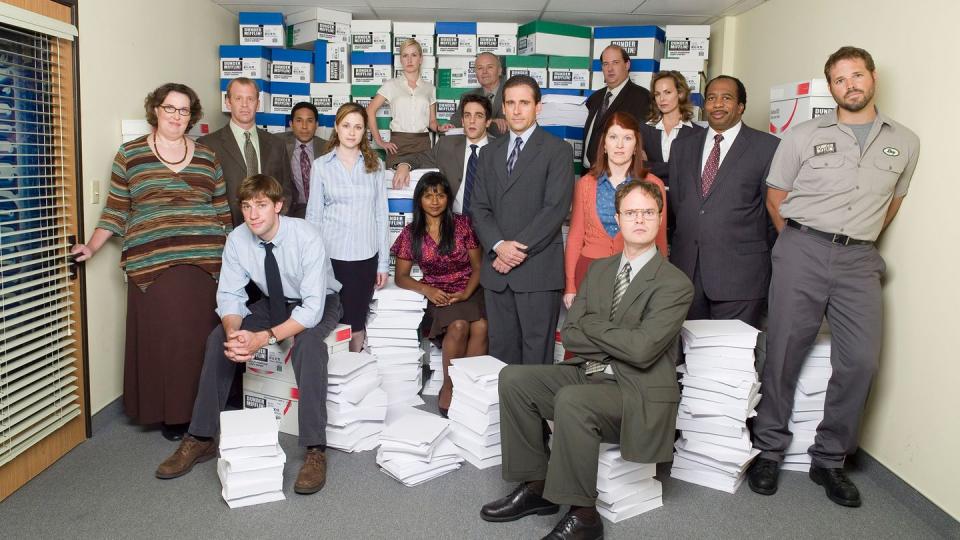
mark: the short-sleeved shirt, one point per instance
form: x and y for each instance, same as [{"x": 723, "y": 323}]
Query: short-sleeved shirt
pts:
[
  {"x": 449, "y": 273},
  {"x": 410, "y": 106},
  {"x": 834, "y": 186}
]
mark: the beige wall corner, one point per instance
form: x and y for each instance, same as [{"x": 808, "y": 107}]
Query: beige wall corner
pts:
[{"x": 723, "y": 35}]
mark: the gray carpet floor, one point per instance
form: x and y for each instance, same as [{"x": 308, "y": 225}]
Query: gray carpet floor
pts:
[{"x": 105, "y": 489}]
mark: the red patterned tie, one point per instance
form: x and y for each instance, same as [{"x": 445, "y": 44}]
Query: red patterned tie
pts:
[
  {"x": 712, "y": 166},
  {"x": 305, "y": 172}
]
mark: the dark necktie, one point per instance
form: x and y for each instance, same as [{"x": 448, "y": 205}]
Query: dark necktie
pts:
[
  {"x": 278, "y": 305},
  {"x": 250, "y": 155},
  {"x": 512, "y": 160},
  {"x": 597, "y": 126},
  {"x": 471, "y": 176},
  {"x": 712, "y": 166},
  {"x": 305, "y": 172}
]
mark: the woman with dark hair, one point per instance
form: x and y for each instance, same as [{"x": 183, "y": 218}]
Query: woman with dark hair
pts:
[
  {"x": 594, "y": 233},
  {"x": 348, "y": 203},
  {"x": 168, "y": 202},
  {"x": 446, "y": 249}
]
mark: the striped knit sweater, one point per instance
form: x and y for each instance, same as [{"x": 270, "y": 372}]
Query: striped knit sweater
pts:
[{"x": 166, "y": 218}]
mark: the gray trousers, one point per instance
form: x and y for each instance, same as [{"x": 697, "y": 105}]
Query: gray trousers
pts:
[
  {"x": 522, "y": 326},
  {"x": 812, "y": 278},
  {"x": 309, "y": 367},
  {"x": 585, "y": 412}
]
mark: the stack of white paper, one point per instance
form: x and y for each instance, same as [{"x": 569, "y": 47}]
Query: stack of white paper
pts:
[
  {"x": 404, "y": 192},
  {"x": 414, "y": 447},
  {"x": 720, "y": 391},
  {"x": 393, "y": 341},
  {"x": 625, "y": 489},
  {"x": 808, "y": 402},
  {"x": 475, "y": 409},
  {"x": 356, "y": 406},
  {"x": 251, "y": 460},
  {"x": 432, "y": 386},
  {"x": 562, "y": 110}
]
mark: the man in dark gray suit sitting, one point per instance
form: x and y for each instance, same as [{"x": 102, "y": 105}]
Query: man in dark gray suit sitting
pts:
[{"x": 302, "y": 146}]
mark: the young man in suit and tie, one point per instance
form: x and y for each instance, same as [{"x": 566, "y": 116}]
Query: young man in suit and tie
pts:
[
  {"x": 455, "y": 155},
  {"x": 490, "y": 78},
  {"x": 302, "y": 146},
  {"x": 722, "y": 233},
  {"x": 620, "y": 387},
  {"x": 522, "y": 195},
  {"x": 245, "y": 150}
]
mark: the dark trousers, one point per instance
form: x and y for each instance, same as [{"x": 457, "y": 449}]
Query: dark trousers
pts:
[
  {"x": 748, "y": 311},
  {"x": 812, "y": 277},
  {"x": 309, "y": 366},
  {"x": 522, "y": 325}
]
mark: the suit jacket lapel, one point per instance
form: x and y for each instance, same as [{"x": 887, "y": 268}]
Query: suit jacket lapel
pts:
[
  {"x": 698, "y": 164},
  {"x": 637, "y": 285},
  {"x": 607, "y": 277},
  {"x": 229, "y": 144},
  {"x": 457, "y": 148},
  {"x": 739, "y": 146}
]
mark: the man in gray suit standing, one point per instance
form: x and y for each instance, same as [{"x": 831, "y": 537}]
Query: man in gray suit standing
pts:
[
  {"x": 523, "y": 193},
  {"x": 490, "y": 78},
  {"x": 723, "y": 234},
  {"x": 302, "y": 146}
]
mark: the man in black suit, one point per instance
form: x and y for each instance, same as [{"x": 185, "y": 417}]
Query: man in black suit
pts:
[
  {"x": 490, "y": 78},
  {"x": 723, "y": 233},
  {"x": 302, "y": 146},
  {"x": 621, "y": 94},
  {"x": 523, "y": 194},
  {"x": 455, "y": 155}
]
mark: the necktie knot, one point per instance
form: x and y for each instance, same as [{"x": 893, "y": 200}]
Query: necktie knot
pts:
[
  {"x": 717, "y": 138},
  {"x": 268, "y": 246},
  {"x": 303, "y": 147},
  {"x": 473, "y": 148},
  {"x": 246, "y": 135}
]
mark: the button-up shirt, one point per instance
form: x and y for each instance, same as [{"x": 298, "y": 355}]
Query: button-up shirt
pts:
[
  {"x": 614, "y": 92},
  {"x": 458, "y": 197},
  {"x": 410, "y": 106},
  {"x": 298, "y": 149},
  {"x": 666, "y": 139},
  {"x": 729, "y": 136}
]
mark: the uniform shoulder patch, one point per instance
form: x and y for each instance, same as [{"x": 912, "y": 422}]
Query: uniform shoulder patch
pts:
[
  {"x": 824, "y": 148},
  {"x": 890, "y": 151}
]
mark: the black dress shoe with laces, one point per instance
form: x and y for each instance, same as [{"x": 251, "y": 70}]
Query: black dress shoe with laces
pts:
[
  {"x": 763, "y": 475},
  {"x": 575, "y": 527},
  {"x": 839, "y": 487},
  {"x": 521, "y": 502}
]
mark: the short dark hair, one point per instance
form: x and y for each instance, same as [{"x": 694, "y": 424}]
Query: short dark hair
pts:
[
  {"x": 623, "y": 53},
  {"x": 305, "y": 105},
  {"x": 155, "y": 99},
  {"x": 260, "y": 184},
  {"x": 848, "y": 53},
  {"x": 647, "y": 187},
  {"x": 524, "y": 80},
  {"x": 741, "y": 89},
  {"x": 484, "y": 102}
]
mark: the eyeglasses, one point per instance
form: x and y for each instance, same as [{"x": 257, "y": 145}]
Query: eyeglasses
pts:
[
  {"x": 648, "y": 214},
  {"x": 170, "y": 109}
]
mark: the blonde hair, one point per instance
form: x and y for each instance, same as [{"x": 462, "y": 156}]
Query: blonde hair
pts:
[{"x": 410, "y": 42}]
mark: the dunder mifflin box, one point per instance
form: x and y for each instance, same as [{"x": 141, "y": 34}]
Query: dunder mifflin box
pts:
[
  {"x": 456, "y": 38},
  {"x": 383, "y": 127},
  {"x": 331, "y": 62},
  {"x": 428, "y": 68},
  {"x": 305, "y": 27},
  {"x": 554, "y": 39},
  {"x": 573, "y": 135},
  {"x": 423, "y": 32},
  {"x": 261, "y": 28},
  {"x": 328, "y": 97},
  {"x": 456, "y": 72},
  {"x": 793, "y": 103},
  {"x": 248, "y": 61},
  {"x": 497, "y": 38},
  {"x": 262, "y": 86},
  {"x": 272, "y": 122},
  {"x": 533, "y": 65},
  {"x": 363, "y": 93},
  {"x": 692, "y": 70},
  {"x": 276, "y": 361},
  {"x": 448, "y": 99},
  {"x": 371, "y": 36},
  {"x": 637, "y": 41},
  {"x": 370, "y": 68},
  {"x": 281, "y": 396},
  {"x": 283, "y": 96},
  {"x": 688, "y": 41},
  {"x": 291, "y": 65},
  {"x": 568, "y": 72}
]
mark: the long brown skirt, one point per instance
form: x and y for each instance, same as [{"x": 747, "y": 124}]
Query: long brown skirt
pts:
[
  {"x": 407, "y": 144},
  {"x": 167, "y": 329}
]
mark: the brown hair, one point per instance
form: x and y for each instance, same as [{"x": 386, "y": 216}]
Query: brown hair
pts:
[
  {"x": 647, "y": 187},
  {"x": 848, "y": 53},
  {"x": 260, "y": 184},
  {"x": 371, "y": 161},
  {"x": 683, "y": 95},
  {"x": 155, "y": 99},
  {"x": 241, "y": 80},
  {"x": 626, "y": 121}
]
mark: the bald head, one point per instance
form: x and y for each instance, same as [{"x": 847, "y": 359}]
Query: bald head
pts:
[{"x": 488, "y": 69}]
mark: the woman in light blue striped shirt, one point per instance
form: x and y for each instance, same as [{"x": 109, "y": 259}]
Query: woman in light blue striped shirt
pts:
[{"x": 348, "y": 203}]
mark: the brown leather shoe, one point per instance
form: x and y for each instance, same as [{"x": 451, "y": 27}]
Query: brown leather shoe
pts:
[
  {"x": 190, "y": 452},
  {"x": 313, "y": 474}
]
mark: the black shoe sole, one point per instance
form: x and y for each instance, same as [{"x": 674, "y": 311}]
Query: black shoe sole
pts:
[
  {"x": 760, "y": 490},
  {"x": 311, "y": 491},
  {"x": 842, "y": 502},
  {"x": 185, "y": 471},
  {"x": 542, "y": 511}
]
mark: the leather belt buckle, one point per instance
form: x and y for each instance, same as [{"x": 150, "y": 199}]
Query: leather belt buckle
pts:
[{"x": 840, "y": 239}]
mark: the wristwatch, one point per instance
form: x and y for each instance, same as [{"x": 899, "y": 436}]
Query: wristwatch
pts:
[{"x": 273, "y": 338}]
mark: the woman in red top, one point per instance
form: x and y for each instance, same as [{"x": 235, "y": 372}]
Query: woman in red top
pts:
[
  {"x": 594, "y": 233},
  {"x": 445, "y": 247}
]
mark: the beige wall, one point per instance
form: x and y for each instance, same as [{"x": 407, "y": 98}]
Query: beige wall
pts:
[
  {"x": 127, "y": 49},
  {"x": 912, "y": 424}
]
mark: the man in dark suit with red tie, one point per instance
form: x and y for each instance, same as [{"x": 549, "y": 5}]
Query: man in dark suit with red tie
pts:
[{"x": 303, "y": 146}]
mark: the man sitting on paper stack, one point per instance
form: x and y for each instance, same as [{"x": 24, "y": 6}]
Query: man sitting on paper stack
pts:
[
  {"x": 620, "y": 388},
  {"x": 285, "y": 258}
]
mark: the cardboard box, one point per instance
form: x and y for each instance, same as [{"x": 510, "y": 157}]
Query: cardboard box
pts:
[
  {"x": 331, "y": 62},
  {"x": 264, "y": 94},
  {"x": 261, "y": 28},
  {"x": 428, "y": 68},
  {"x": 276, "y": 362},
  {"x": 383, "y": 127},
  {"x": 305, "y": 27},
  {"x": 571, "y": 134},
  {"x": 793, "y": 103},
  {"x": 329, "y": 97},
  {"x": 448, "y": 99},
  {"x": 456, "y": 72},
  {"x": 363, "y": 93},
  {"x": 248, "y": 61},
  {"x": 641, "y": 72},
  {"x": 568, "y": 72},
  {"x": 291, "y": 65},
  {"x": 555, "y": 39},
  {"x": 371, "y": 36},
  {"x": 283, "y": 96},
  {"x": 534, "y": 66},
  {"x": 638, "y": 41},
  {"x": 281, "y": 396},
  {"x": 423, "y": 32},
  {"x": 687, "y": 41},
  {"x": 683, "y": 64},
  {"x": 370, "y": 68},
  {"x": 497, "y": 38},
  {"x": 456, "y": 38},
  {"x": 272, "y": 122}
]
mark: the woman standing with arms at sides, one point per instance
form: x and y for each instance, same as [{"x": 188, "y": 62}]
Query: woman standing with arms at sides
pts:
[
  {"x": 348, "y": 203},
  {"x": 670, "y": 118},
  {"x": 413, "y": 102},
  {"x": 168, "y": 202},
  {"x": 446, "y": 249},
  {"x": 594, "y": 233}
]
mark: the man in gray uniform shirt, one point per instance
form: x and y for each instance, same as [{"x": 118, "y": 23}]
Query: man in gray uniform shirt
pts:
[{"x": 835, "y": 183}]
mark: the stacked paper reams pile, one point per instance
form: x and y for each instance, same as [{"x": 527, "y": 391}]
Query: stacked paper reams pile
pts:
[
  {"x": 432, "y": 386},
  {"x": 393, "y": 339},
  {"x": 356, "y": 406},
  {"x": 475, "y": 409},
  {"x": 808, "y": 402},
  {"x": 720, "y": 391},
  {"x": 625, "y": 489},
  {"x": 414, "y": 446},
  {"x": 251, "y": 460}
]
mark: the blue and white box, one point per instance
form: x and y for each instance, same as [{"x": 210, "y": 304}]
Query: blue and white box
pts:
[
  {"x": 249, "y": 61},
  {"x": 688, "y": 41},
  {"x": 638, "y": 41},
  {"x": 261, "y": 28},
  {"x": 305, "y": 27},
  {"x": 370, "y": 68},
  {"x": 263, "y": 95},
  {"x": 272, "y": 122},
  {"x": 456, "y": 38},
  {"x": 423, "y": 32},
  {"x": 571, "y": 134},
  {"x": 328, "y": 97},
  {"x": 641, "y": 72},
  {"x": 497, "y": 38},
  {"x": 291, "y": 65},
  {"x": 371, "y": 36},
  {"x": 331, "y": 62},
  {"x": 284, "y": 95}
]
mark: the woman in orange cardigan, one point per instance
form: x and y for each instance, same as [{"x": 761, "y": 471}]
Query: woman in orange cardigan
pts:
[{"x": 594, "y": 233}]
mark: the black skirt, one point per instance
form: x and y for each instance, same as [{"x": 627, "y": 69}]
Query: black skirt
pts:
[
  {"x": 436, "y": 319},
  {"x": 357, "y": 280}
]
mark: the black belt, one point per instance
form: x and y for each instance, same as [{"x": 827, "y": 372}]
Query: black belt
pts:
[{"x": 830, "y": 237}]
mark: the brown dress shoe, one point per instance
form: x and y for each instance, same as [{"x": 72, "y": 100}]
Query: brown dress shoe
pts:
[
  {"x": 190, "y": 452},
  {"x": 313, "y": 474}
]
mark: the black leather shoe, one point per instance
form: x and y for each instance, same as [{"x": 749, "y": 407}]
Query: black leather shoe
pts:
[
  {"x": 839, "y": 487},
  {"x": 762, "y": 476},
  {"x": 522, "y": 502},
  {"x": 574, "y": 527},
  {"x": 173, "y": 432}
]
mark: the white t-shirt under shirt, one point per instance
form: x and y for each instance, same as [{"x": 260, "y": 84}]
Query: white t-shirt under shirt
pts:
[{"x": 410, "y": 106}]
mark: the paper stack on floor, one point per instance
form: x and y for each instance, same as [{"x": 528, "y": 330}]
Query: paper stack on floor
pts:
[
  {"x": 356, "y": 406},
  {"x": 720, "y": 391},
  {"x": 625, "y": 489},
  {"x": 808, "y": 402},
  {"x": 432, "y": 386},
  {"x": 415, "y": 448},
  {"x": 251, "y": 460},
  {"x": 393, "y": 339},
  {"x": 475, "y": 409}
]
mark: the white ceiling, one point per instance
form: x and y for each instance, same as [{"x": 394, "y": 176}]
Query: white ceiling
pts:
[{"x": 587, "y": 12}]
